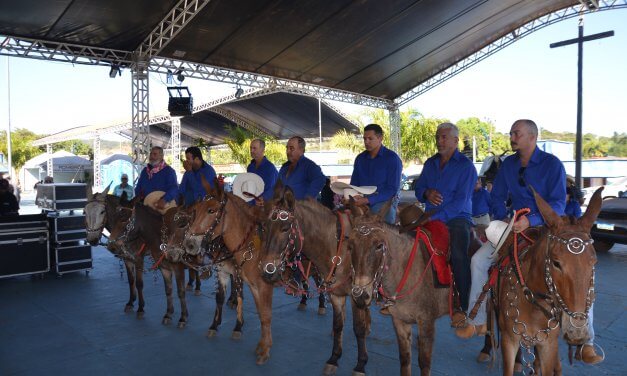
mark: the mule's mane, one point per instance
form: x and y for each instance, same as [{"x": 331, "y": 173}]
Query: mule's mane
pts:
[{"x": 242, "y": 206}]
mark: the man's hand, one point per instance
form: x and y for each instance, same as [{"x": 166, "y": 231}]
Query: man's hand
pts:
[
  {"x": 433, "y": 196},
  {"x": 160, "y": 204},
  {"x": 359, "y": 200},
  {"x": 187, "y": 165},
  {"x": 521, "y": 224}
]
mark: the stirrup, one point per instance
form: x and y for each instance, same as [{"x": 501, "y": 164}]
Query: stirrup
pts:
[{"x": 459, "y": 320}]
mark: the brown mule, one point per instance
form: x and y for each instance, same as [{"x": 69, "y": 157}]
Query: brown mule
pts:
[{"x": 552, "y": 286}]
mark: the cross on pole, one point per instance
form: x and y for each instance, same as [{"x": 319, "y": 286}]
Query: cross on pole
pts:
[{"x": 580, "y": 40}]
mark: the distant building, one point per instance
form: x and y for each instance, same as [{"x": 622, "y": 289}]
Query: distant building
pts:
[{"x": 564, "y": 150}]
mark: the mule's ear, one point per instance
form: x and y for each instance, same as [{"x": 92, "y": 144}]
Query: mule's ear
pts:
[
  {"x": 278, "y": 189},
  {"x": 205, "y": 184},
  {"x": 289, "y": 198},
  {"x": 356, "y": 211},
  {"x": 106, "y": 191},
  {"x": 90, "y": 192},
  {"x": 594, "y": 207},
  {"x": 123, "y": 198},
  {"x": 550, "y": 218}
]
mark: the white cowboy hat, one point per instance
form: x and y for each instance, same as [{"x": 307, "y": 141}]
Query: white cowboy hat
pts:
[
  {"x": 249, "y": 183},
  {"x": 348, "y": 190},
  {"x": 497, "y": 232},
  {"x": 153, "y": 197}
]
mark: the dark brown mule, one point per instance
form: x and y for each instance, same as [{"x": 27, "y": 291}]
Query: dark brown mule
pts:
[
  {"x": 147, "y": 224},
  {"x": 381, "y": 258},
  {"x": 110, "y": 212},
  {"x": 288, "y": 221},
  {"x": 553, "y": 287},
  {"x": 226, "y": 216},
  {"x": 175, "y": 252}
]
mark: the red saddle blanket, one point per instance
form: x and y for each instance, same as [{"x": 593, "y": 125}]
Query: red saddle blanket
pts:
[{"x": 435, "y": 235}]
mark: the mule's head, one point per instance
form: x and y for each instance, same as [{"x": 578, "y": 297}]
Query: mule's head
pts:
[
  {"x": 569, "y": 259},
  {"x": 368, "y": 250},
  {"x": 122, "y": 231},
  {"x": 177, "y": 225},
  {"x": 281, "y": 233},
  {"x": 205, "y": 217},
  {"x": 95, "y": 215}
]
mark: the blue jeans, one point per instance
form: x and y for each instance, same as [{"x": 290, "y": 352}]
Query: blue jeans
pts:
[
  {"x": 390, "y": 217},
  {"x": 459, "y": 230}
]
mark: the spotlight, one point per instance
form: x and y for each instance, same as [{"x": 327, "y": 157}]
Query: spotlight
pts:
[
  {"x": 115, "y": 71},
  {"x": 179, "y": 75},
  {"x": 239, "y": 92}
]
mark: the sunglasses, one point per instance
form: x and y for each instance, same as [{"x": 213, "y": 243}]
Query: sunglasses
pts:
[{"x": 521, "y": 176}]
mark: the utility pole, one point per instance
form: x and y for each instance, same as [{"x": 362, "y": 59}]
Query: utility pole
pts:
[
  {"x": 579, "y": 41},
  {"x": 9, "y": 151}
]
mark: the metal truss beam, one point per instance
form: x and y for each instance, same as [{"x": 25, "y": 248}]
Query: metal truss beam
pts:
[
  {"x": 182, "y": 13},
  {"x": 241, "y": 121},
  {"x": 175, "y": 143},
  {"x": 395, "y": 129},
  {"x": 439, "y": 76},
  {"x": 205, "y": 72},
  {"x": 63, "y": 52},
  {"x": 140, "y": 127},
  {"x": 97, "y": 158},
  {"x": 49, "y": 166}
]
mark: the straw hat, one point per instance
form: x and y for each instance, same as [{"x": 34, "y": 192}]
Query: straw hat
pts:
[
  {"x": 348, "y": 190},
  {"x": 153, "y": 197},
  {"x": 248, "y": 182},
  {"x": 497, "y": 232}
]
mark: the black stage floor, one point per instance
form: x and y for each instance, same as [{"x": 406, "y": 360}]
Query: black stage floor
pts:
[{"x": 75, "y": 325}]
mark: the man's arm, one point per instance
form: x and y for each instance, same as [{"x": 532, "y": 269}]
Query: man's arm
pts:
[
  {"x": 355, "y": 177},
  {"x": 556, "y": 191},
  {"x": 315, "y": 180},
  {"x": 463, "y": 194},
  {"x": 421, "y": 183},
  {"x": 392, "y": 183},
  {"x": 171, "y": 186}
]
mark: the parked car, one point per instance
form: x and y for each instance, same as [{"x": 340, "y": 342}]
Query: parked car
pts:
[
  {"x": 612, "y": 190},
  {"x": 611, "y": 224},
  {"x": 407, "y": 195}
]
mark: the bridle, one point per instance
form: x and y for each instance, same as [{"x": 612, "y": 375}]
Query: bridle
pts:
[
  {"x": 289, "y": 255},
  {"x": 376, "y": 281}
]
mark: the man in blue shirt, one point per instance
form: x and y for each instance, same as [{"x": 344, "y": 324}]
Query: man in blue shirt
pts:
[
  {"x": 381, "y": 167},
  {"x": 445, "y": 186},
  {"x": 157, "y": 176},
  {"x": 191, "y": 186},
  {"x": 300, "y": 173},
  {"x": 261, "y": 166},
  {"x": 123, "y": 187},
  {"x": 480, "y": 205}
]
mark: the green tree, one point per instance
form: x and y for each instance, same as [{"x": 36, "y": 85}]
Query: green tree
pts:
[
  {"x": 239, "y": 142},
  {"x": 77, "y": 147},
  {"x": 21, "y": 146},
  {"x": 487, "y": 139}
]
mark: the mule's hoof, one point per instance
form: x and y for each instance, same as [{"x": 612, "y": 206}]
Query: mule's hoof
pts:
[
  {"x": 329, "y": 369},
  {"x": 231, "y": 305},
  {"x": 197, "y": 293},
  {"x": 518, "y": 367},
  {"x": 212, "y": 333},
  {"x": 236, "y": 335},
  {"x": 181, "y": 324},
  {"x": 302, "y": 307},
  {"x": 262, "y": 359},
  {"x": 189, "y": 287},
  {"x": 355, "y": 373},
  {"x": 128, "y": 308},
  {"x": 166, "y": 321},
  {"x": 483, "y": 357},
  {"x": 140, "y": 315},
  {"x": 322, "y": 311}
]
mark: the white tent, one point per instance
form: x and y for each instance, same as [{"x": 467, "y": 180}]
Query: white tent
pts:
[{"x": 67, "y": 168}]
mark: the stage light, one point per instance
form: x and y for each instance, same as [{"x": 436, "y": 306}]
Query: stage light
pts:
[
  {"x": 115, "y": 71},
  {"x": 179, "y": 75},
  {"x": 239, "y": 92}
]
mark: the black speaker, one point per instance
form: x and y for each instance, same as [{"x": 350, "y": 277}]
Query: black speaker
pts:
[{"x": 181, "y": 102}]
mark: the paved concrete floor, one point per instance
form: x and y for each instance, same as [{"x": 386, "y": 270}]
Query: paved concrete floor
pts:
[{"x": 75, "y": 325}]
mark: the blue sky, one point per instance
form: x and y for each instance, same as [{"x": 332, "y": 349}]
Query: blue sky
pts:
[{"x": 524, "y": 80}]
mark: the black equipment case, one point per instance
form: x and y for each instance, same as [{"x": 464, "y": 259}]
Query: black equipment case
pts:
[
  {"x": 61, "y": 196},
  {"x": 24, "y": 245},
  {"x": 69, "y": 252}
]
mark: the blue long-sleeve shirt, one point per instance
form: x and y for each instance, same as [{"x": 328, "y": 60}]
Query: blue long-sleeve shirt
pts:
[
  {"x": 268, "y": 174},
  {"x": 191, "y": 185},
  {"x": 384, "y": 171},
  {"x": 573, "y": 208},
  {"x": 455, "y": 182},
  {"x": 480, "y": 202},
  {"x": 306, "y": 180},
  {"x": 544, "y": 172},
  {"x": 164, "y": 180}
]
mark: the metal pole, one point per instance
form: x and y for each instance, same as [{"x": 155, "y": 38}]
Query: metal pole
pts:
[
  {"x": 9, "y": 151},
  {"x": 579, "y": 141},
  {"x": 320, "y": 122}
]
